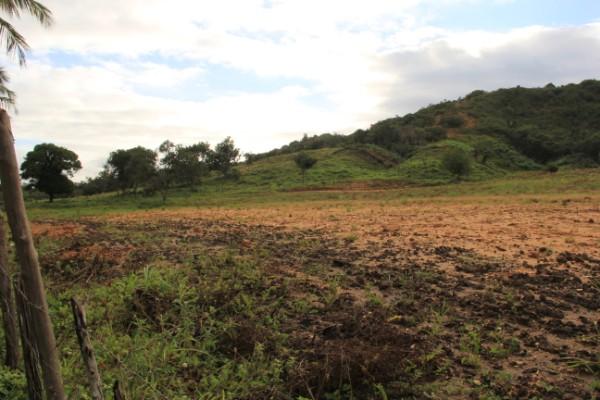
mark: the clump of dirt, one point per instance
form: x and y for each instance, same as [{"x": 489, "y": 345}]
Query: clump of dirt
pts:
[
  {"x": 91, "y": 254},
  {"x": 85, "y": 261},
  {"x": 354, "y": 346},
  {"x": 151, "y": 306},
  {"x": 242, "y": 339},
  {"x": 582, "y": 258}
]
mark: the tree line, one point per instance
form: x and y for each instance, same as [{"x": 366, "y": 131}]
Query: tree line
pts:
[{"x": 49, "y": 168}]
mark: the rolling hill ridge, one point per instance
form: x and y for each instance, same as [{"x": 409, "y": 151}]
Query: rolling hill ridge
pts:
[{"x": 502, "y": 131}]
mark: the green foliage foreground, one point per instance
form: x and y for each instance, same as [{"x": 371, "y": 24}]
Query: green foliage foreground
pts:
[{"x": 165, "y": 332}]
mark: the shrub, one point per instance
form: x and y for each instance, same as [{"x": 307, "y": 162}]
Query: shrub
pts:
[
  {"x": 12, "y": 384},
  {"x": 234, "y": 174},
  {"x": 457, "y": 162}
]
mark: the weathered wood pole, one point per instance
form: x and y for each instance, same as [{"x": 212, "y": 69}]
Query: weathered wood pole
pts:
[
  {"x": 33, "y": 286},
  {"x": 87, "y": 351},
  {"x": 31, "y": 356},
  {"x": 7, "y": 305},
  {"x": 117, "y": 392}
]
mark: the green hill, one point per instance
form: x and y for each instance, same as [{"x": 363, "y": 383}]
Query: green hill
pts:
[
  {"x": 334, "y": 165},
  {"x": 502, "y": 131},
  {"x": 369, "y": 164},
  {"x": 489, "y": 134}
]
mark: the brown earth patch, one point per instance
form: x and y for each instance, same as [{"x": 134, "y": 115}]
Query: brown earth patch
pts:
[
  {"x": 55, "y": 230},
  {"x": 461, "y": 290}
]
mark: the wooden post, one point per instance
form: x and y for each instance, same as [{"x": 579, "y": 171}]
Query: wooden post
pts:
[
  {"x": 117, "y": 392},
  {"x": 87, "y": 352},
  {"x": 31, "y": 356},
  {"x": 33, "y": 286},
  {"x": 7, "y": 305}
]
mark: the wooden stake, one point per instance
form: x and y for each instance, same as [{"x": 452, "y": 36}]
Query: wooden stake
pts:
[
  {"x": 7, "y": 305},
  {"x": 33, "y": 286},
  {"x": 87, "y": 351},
  {"x": 118, "y": 393},
  {"x": 31, "y": 357}
]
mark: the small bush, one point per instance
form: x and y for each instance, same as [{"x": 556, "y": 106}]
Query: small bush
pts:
[
  {"x": 457, "y": 162},
  {"x": 233, "y": 174},
  {"x": 12, "y": 384}
]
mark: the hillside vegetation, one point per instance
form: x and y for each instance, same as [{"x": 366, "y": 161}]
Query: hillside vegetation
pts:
[
  {"x": 506, "y": 130},
  {"x": 483, "y": 136}
]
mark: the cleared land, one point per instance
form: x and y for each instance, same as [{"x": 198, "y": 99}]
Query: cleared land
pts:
[{"x": 383, "y": 296}]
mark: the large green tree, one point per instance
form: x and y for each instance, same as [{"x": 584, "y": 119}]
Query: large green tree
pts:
[
  {"x": 49, "y": 169},
  {"x": 224, "y": 156},
  {"x": 14, "y": 43},
  {"x": 184, "y": 164},
  {"x": 132, "y": 167}
]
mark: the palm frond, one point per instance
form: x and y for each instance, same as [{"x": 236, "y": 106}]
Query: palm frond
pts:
[
  {"x": 7, "y": 96},
  {"x": 15, "y": 42},
  {"x": 40, "y": 12}
]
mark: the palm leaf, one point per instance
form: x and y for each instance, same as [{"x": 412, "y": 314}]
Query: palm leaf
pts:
[
  {"x": 14, "y": 8},
  {"x": 15, "y": 43},
  {"x": 7, "y": 96}
]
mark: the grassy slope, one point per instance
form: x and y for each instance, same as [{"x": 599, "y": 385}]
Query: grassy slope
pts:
[
  {"x": 514, "y": 127},
  {"x": 338, "y": 166},
  {"x": 540, "y": 184},
  {"x": 277, "y": 179},
  {"x": 334, "y": 166}
]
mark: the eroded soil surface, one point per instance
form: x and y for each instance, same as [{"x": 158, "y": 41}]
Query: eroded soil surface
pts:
[{"x": 451, "y": 300}]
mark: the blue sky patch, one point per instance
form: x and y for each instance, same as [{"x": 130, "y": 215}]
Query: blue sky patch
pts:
[{"x": 498, "y": 16}]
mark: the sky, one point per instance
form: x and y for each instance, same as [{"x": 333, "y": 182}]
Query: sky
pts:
[{"x": 115, "y": 74}]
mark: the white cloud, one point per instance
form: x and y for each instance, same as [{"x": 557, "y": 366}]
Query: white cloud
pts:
[
  {"x": 94, "y": 110},
  {"x": 449, "y": 68}
]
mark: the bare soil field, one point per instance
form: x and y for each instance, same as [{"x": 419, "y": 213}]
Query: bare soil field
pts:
[{"x": 464, "y": 298}]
